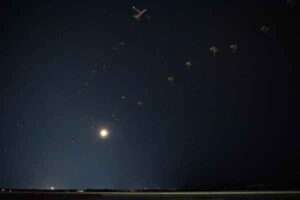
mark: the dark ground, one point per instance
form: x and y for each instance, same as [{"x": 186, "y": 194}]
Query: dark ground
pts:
[{"x": 157, "y": 195}]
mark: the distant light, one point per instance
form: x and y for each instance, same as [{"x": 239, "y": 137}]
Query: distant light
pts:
[
  {"x": 214, "y": 50},
  {"x": 140, "y": 103},
  {"x": 52, "y": 188},
  {"x": 171, "y": 79},
  {"x": 264, "y": 28},
  {"x": 233, "y": 47},
  {"x": 188, "y": 64},
  {"x": 104, "y": 133}
]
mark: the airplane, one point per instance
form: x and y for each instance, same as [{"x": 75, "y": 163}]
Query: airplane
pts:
[
  {"x": 233, "y": 47},
  {"x": 188, "y": 64},
  {"x": 139, "y": 13},
  {"x": 264, "y": 29},
  {"x": 214, "y": 50},
  {"x": 171, "y": 79}
]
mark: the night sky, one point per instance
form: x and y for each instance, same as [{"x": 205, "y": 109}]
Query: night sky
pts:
[{"x": 178, "y": 115}]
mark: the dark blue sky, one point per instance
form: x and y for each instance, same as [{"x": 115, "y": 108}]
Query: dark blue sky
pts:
[{"x": 225, "y": 120}]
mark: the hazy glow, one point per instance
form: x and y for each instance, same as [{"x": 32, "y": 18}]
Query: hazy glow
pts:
[{"x": 104, "y": 133}]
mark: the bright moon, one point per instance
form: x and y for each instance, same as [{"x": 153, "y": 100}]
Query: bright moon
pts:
[{"x": 104, "y": 133}]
